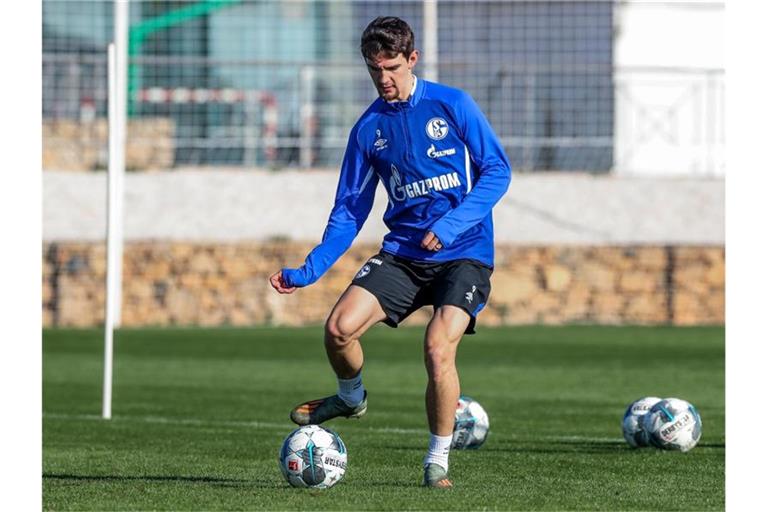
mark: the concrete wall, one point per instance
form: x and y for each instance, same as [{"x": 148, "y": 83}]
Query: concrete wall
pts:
[{"x": 228, "y": 206}]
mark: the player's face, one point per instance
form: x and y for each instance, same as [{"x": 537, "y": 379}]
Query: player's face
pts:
[{"x": 392, "y": 77}]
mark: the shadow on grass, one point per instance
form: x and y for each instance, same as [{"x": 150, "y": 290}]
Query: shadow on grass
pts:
[
  {"x": 222, "y": 482},
  {"x": 402, "y": 484},
  {"x": 554, "y": 446},
  {"x": 579, "y": 446},
  {"x": 711, "y": 445},
  {"x": 619, "y": 444}
]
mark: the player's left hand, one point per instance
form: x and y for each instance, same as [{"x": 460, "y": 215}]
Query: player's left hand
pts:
[{"x": 431, "y": 242}]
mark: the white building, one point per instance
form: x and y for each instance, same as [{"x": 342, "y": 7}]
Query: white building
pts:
[{"x": 669, "y": 59}]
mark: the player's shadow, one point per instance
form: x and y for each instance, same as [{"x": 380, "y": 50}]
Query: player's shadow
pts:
[{"x": 218, "y": 482}]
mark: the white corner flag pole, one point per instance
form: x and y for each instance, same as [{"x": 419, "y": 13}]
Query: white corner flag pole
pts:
[
  {"x": 117, "y": 71},
  {"x": 121, "y": 116},
  {"x": 109, "y": 313}
]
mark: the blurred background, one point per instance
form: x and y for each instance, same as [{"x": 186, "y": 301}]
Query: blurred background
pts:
[{"x": 611, "y": 112}]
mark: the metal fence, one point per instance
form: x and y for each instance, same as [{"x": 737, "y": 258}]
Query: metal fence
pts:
[{"x": 280, "y": 83}]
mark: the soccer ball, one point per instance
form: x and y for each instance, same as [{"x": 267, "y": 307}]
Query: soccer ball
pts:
[
  {"x": 632, "y": 424},
  {"x": 471, "y": 425},
  {"x": 673, "y": 424},
  {"x": 313, "y": 456}
]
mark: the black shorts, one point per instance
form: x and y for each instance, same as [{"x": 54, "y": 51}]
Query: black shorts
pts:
[{"x": 402, "y": 286}]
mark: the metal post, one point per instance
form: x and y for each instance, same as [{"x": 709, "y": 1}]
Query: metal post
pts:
[
  {"x": 530, "y": 120},
  {"x": 251, "y": 129},
  {"x": 710, "y": 121},
  {"x": 430, "y": 40},
  {"x": 307, "y": 81}
]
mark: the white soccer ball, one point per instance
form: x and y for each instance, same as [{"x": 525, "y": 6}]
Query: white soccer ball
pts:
[
  {"x": 632, "y": 424},
  {"x": 673, "y": 424},
  {"x": 470, "y": 428},
  {"x": 313, "y": 456}
]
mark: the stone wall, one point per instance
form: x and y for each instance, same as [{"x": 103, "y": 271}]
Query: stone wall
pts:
[
  {"x": 227, "y": 284},
  {"x": 70, "y": 145}
]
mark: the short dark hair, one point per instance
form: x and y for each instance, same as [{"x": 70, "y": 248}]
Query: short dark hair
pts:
[{"x": 388, "y": 35}]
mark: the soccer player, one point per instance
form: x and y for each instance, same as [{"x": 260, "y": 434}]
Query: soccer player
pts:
[{"x": 443, "y": 169}]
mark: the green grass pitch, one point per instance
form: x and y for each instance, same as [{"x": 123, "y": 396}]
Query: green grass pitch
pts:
[{"x": 199, "y": 416}]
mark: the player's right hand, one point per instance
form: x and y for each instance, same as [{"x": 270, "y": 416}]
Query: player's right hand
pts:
[
  {"x": 278, "y": 283},
  {"x": 431, "y": 242}
]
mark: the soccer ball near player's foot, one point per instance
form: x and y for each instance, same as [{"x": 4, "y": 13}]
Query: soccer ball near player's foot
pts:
[
  {"x": 673, "y": 424},
  {"x": 632, "y": 423},
  {"x": 313, "y": 456},
  {"x": 471, "y": 426}
]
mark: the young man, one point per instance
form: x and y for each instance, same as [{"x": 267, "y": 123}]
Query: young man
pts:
[{"x": 444, "y": 170}]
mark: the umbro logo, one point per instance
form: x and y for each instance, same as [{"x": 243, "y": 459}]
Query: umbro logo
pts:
[
  {"x": 381, "y": 143},
  {"x": 470, "y": 296}
]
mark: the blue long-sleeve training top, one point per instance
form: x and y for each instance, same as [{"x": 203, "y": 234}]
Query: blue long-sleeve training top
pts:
[{"x": 443, "y": 169}]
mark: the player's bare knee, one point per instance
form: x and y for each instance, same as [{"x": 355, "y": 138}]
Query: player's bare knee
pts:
[
  {"x": 339, "y": 331},
  {"x": 451, "y": 320},
  {"x": 439, "y": 334},
  {"x": 439, "y": 356}
]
